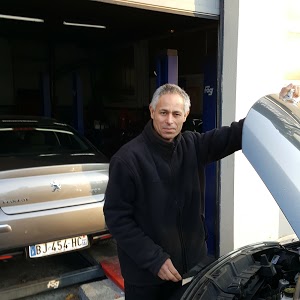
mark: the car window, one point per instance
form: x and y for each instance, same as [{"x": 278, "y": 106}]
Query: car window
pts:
[
  {"x": 18, "y": 141},
  {"x": 70, "y": 141}
]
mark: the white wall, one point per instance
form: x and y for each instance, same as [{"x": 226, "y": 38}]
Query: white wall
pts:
[
  {"x": 256, "y": 61},
  {"x": 204, "y": 7}
]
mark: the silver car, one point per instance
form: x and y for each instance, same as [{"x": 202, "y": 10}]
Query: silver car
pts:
[
  {"x": 52, "y": 185},
  {"x": 267, "y": 270}
]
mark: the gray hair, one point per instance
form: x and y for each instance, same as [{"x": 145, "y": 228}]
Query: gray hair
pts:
[{"x": 170, "y": 88}]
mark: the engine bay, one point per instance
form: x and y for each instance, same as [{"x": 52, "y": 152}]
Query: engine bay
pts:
[{"x": 253, "y": 274}]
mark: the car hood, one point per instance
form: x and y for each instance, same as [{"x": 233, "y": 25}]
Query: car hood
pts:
[{"x": 271, "y": 143}]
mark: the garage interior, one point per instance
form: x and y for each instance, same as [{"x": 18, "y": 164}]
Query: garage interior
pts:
[
  {"x": 101, "y": 80},
  {"x": 111, "y": 71}
]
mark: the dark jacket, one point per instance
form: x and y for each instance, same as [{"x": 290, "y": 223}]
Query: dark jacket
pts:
[{"x": 154, "y": 203}]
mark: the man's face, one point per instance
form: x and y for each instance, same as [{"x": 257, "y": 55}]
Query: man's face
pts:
[{"x": 168, "y": 116}]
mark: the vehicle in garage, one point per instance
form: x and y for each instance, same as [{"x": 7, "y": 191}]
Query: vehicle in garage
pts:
[
  {"x": 266, "y": 270},
  {"x": 52, "y": 182}
]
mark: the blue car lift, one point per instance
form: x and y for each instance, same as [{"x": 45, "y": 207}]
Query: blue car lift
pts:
[
  {"x": 90, "y": 270},
  {"x": 167, "y": 67}
]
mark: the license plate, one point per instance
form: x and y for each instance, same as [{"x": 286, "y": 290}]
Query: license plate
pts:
[{"x": 60, "y": 246}]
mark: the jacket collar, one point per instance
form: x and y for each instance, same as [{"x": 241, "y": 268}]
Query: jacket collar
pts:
[{"x": 157, "y": 142}]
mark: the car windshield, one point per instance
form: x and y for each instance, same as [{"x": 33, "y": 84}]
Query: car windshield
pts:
[{"x": 40, "y": 140}]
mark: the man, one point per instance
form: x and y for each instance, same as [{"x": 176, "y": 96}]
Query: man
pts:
[{"x": 154, "y": 205}]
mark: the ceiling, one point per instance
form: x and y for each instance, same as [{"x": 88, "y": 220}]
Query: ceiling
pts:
[{"x": 122, "y": 22}]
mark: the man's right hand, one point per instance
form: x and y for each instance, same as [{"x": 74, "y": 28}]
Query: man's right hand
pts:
[{"x": 168, "y": 272}]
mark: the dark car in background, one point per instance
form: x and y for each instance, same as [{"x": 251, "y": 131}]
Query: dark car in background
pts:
[
  {"x": 266, "y": 270},
  {"x": 52, "y": 185}
]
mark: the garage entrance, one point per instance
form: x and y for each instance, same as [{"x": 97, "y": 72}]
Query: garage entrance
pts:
[{"x": 101, "y": 79}]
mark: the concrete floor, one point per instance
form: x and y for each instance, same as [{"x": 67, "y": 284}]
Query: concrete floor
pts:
[{"x": 22, "y": 271}]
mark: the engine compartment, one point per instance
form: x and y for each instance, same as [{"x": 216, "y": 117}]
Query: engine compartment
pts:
[
  {"x": 252, "y": 274},
  {"x": 279, "y": 273}
]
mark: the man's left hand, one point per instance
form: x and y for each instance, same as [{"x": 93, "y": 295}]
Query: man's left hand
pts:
[{"x": 169, "y": 272}]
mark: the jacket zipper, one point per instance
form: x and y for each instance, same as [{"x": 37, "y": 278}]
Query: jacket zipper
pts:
[{"x": 184, "y": 260}]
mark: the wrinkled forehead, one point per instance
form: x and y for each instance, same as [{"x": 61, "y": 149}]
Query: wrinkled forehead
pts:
[{"x": 170, "y": 101}]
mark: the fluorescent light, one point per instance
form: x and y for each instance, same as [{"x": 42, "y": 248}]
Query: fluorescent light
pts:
[
  {"x": 21, "y": 18},
  {"x": 84, "y": 25}
]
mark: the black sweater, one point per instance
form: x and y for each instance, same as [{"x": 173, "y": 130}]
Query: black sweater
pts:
[{"x": 154, "y": 203}]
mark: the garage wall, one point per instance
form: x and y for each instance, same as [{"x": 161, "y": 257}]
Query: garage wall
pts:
[
  {"x": 6, "y": 74},
  {"x": 256, "y": 62},
  {"x": 22, "y": 63}
]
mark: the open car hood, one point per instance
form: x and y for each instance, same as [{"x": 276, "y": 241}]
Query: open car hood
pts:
[
  {"x": 266, "y": 270},
  {"x": 271, "y": 143}
]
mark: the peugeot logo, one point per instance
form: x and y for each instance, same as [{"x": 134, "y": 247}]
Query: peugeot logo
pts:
[{"x": 55, "y": 186}]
